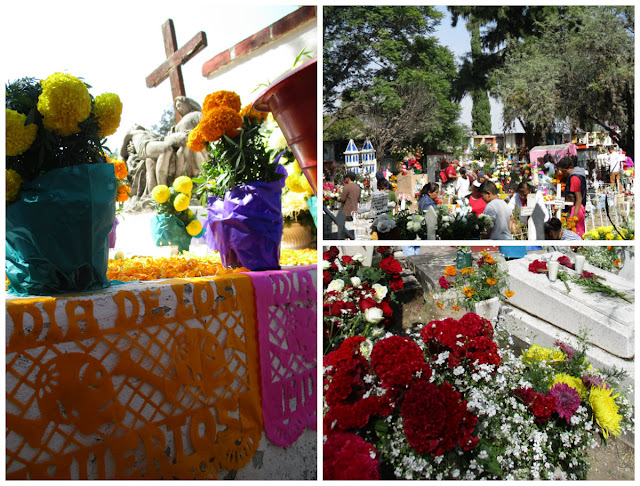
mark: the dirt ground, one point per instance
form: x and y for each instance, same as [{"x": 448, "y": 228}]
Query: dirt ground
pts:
[{"x": 614, "y": 462}]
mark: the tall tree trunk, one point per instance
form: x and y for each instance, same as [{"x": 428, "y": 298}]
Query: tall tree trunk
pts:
[{"x": 481, "y": 110}]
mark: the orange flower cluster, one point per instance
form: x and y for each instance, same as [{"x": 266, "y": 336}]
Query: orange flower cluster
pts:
[
  {"x": 189, "y": 266},
  {"x": 468, "y": 291},
  {"x": 221, "y": 116},
  {"x": 508, "y": 293},
  {"x": 467, "y": 270},
  {"x": 251, "y": 113},
  {"x": 450, "y": 271},
  {"x": 120, "y": 167},
  {"x": 492, "y": 281},
  {"x": 617, "y": 263},
  {"x": 570, "y": 223},
  {"x": 124, "y": 192},
  {"x": 488, "y": 258}
]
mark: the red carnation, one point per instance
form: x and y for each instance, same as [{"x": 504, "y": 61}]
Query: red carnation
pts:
[
  {"x": 542, "y": 407},
  {"x": 537, "y": 266},
  {"x": 396, "y": 360},
  {"x": 444, "y": 283},
  {"x": 348, "y": 349},
  {"x": 436, "y": 419},
  {"x": 348, "y": 456},
  {"x": 590, "y": 275},
  {"x": 336, "y": 308},
  {"x": 390, "y": 265},
  {"x": 565, "y": 261}
]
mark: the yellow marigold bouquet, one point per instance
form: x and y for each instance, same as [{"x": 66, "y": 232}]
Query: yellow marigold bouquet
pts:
[
  {"x": 233, "y": 137},
  {"x": 175, "y": 223},
  {"x": 55, "y": 123}
]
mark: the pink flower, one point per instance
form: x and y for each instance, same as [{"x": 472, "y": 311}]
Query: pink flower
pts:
[
  {"x": 567, "y": 400},
  {"x": 444, "y": 283}
]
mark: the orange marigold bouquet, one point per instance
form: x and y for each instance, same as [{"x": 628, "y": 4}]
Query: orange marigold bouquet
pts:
[{"x": 234, "y": 138}]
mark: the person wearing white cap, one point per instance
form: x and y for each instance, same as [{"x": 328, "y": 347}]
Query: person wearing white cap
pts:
[{"x": 475, "y": 199}]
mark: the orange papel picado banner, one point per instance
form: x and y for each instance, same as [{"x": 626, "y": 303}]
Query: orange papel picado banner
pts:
[{"x": 140, "y": 381}]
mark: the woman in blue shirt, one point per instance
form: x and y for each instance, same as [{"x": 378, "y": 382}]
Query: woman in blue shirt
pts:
[{"x": 427, "y": 196}]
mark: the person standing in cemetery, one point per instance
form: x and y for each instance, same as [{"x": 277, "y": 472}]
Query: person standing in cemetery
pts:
[
  {"x": 549, "y": 165},
  {"x": 553, "y": 230},
  {"x": 475, "y": 199},
  {"x": 385, "y": 186},
  {"x": 462, "y": 184},
  {"x": 582, "y": 214},
  {"x": 576, "y": 183},
  {"x": 615, "y": 162},
  {"x": 350, "y": 196},
  {"x": 428, "y": 195},
  {"x": 497, "y": 210},
  {"x": 519, "y": 200}
]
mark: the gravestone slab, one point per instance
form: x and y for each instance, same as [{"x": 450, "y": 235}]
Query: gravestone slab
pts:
[
  {"x": 404, "y": 185},
  {"x": 609, "y": 321}
]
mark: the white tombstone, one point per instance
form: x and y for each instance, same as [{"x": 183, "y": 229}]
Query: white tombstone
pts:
[{"x": 431, "y": 218}]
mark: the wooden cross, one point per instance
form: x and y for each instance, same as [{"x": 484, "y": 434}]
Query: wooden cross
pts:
[{"x": 171, "y": 68}]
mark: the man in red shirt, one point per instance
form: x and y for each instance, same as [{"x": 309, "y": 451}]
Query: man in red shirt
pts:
[{"x": 450, "y": 172}]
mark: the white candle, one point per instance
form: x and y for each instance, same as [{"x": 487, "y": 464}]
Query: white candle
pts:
[
  {"x": 580, "y": 259},
  {"x": 553, "y": 270}
]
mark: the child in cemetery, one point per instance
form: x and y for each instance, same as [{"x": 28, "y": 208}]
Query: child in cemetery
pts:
[
  {"x": 428, "y": 194},
  {"x": 385, "y": 185},
  {"x": 519, "y": 200},
  {"x": 475, "y": 199},
  {"x": 462, "y": 183},
  {"x": 576, "y": 184},
  {"x": 553, "y": 230},
  {"x": 582, "y": 214},
  {"x": 497, "y": 210}
]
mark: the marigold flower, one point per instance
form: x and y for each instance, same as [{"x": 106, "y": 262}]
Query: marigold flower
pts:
[
  {"x": 124, "y": 192},
  {"x": 492, "y": 281},
  {"x": 218, "y": 122},
  {"x": 468, "y": 291},
  {"x": 183, "y": 184},
  {"x": 108, "y": 109},
  {"x": 181, "y": 202},
  {"x": 489, "y": 259},
  {"x": 466, "y": 270},
  {"x": 439, "y": 304},
  {"x": 120, "y": 167},
  {"x": 19, "y": 136},
  {"x": 217, "y": 99},
  {"x": 194, "y": 227},
  {"x": 508, "y": 293},
  {"x": 65, "y": 101},
  {"x": 248, "y": 111},
  {"x": 617, "y": 263},
  {"x": 13, "y": 185},
  {"x": 161, "y": 194},
  {"x": 196, "y": 141},
  {"x": 605, "y": 410},
  {"x": 450, "y": 271}
]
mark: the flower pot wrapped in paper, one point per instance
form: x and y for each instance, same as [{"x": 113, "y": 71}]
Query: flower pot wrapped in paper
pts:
[
  {"x": 175, "y": 224},
  {"x": 243, "y": 186},
  {"x": 61, "y": 193}
]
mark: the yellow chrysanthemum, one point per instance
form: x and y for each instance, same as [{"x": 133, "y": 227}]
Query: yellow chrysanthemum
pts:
[
  {"x": 13, "y": 185},
  {"x": 604, "y": 407},
  {"x": 181, "y": 202},
  {"x": 194, "y": 227},
  {"x": 572, "y": 381},
  {"x": 19, "y": 136},
  {"x": 161, "y": 194},
  {"x": 108, "y": 109},
  {"x": 536, "y": 354},
  {"x": 64, "y": 102},
  {"x": 294, "y": 182},
  {"x": 217, "y": 99},
  {"x": 183, "y": 184}
]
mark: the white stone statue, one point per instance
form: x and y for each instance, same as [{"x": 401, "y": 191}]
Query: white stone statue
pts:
[{"x": 188, "y": 162}]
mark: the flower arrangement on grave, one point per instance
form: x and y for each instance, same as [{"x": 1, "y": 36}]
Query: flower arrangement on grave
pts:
[
  {"x": 609, "y": 258},
  {"x": 330, "y": 193},
  {"x": 400, "y": 153},
  {"x": 242, "y": 182},
  {"x": 56, "y": 174},
  {"x": 447, "y": 402},
  {"x": 460, "y": 223},
  {"x": 502, "y": 169},
  {"x": 486, "y": 278},
  {"x": 412, "y": 226},
  {"x": 591, "y": 282},
  {"x": 175, "y": 224},
  {"x": 357, "y": 299},
  {"x": 609, "y": 233}
]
